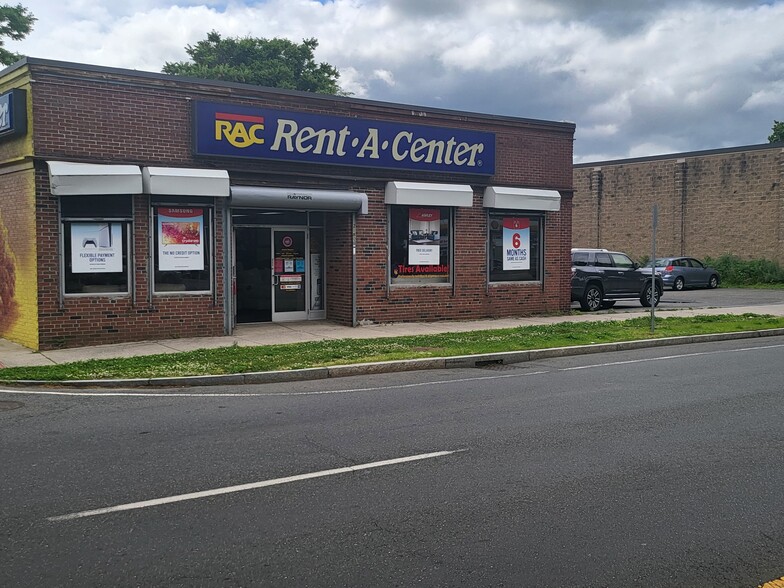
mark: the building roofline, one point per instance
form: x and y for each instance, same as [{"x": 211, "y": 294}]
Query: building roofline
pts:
[
  {"x": 759, "y": 147},
  {"x": 33, "y": 61}
]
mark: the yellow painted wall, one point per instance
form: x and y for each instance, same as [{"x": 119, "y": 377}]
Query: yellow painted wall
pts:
[{"x": 18, "y": 254}]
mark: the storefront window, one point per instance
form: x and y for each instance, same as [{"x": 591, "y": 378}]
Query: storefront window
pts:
[
  {"x": 182, "y": 249},
  {"x": 515, "y": 247},
  {"x": 96, "y": 244},
  {"x": 420, "y": 245}
]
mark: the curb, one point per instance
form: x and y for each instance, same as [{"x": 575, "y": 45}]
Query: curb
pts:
[{"x": 433, "y": 363}]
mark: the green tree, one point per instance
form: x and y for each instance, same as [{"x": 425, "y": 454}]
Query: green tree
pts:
[
  {"x": 778, "y": 132},
  {"x": 16, "y": 22},
  {"x": 275, "y": 63}
]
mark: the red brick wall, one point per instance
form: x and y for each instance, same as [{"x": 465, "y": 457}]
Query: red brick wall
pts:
[
  {"x": 70, "y": 321},
  {"x": 112, "y": 116},
  {"x": 337, "y": 271},
  {"x": 119, "y": 117},
  {"x": 469, "y": 296},
  {"x": 709, "y": 204}
]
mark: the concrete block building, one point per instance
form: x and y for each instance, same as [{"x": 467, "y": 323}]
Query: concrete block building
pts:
[{"x": 710, "y": 203}]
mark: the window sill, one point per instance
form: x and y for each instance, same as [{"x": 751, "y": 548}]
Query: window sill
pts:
[
  {"x": 99, "y": 290},
  {"x": 517, "y": 283}
]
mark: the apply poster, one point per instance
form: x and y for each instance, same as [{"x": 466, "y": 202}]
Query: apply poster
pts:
[
  {"x": 517, "y": 243},
  {"x": 424, "y": 226},
  {"x": 96, "y": 248},
  {"x": 180, "y": 239}
]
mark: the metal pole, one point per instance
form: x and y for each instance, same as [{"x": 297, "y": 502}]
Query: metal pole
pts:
[
  {"x": 654, "y": 294},
  {"x": 353, "y": 269}
]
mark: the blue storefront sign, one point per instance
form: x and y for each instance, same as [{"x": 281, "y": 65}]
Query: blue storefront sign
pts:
[
  {"x": 228, "y": 130},
  {"x": 13, "y": 113}
]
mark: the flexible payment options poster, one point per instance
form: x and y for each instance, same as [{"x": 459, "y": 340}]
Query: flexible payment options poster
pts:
[{"x": 96, "y": 248}]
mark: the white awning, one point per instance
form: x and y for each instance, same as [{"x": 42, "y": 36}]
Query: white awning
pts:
[
  {"x": 78, "y": 179},
  {"x": 421, "y": 194},
  {"x": 175, "y": 181},
  {"x": 522, "y": 198},
  {"x": 298, "y": 199}
]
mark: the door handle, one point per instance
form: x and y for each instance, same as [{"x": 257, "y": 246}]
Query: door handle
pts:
[{"x": 275, "y": 280}]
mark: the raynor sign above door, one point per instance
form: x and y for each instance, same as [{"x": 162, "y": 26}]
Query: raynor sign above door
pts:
[{"x": 237, "y": 131}]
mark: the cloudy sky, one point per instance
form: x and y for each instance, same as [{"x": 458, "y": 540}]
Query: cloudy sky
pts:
[{"x": 638, "y": 77}]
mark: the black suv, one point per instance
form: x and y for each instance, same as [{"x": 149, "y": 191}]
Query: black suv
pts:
[{"x": 601, "y": 277}]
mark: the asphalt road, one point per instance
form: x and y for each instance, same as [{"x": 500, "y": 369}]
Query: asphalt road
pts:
[
  {"x": 658, "y": 467},
  {"x": 704, "y": 298}
]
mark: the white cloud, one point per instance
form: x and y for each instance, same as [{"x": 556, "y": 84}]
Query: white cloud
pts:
[
  {"x": 651, "y": 148},
  {"x": 385, "y": 76},
  {"x": 607, "y": 130},
  {"x": 351, "y": 81},
  {"x": 637, "y": 77},
  {"x": 771, "y": 94}
]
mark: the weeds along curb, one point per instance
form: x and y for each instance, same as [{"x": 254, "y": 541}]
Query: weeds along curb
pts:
[{"x": 433, "y": 363}]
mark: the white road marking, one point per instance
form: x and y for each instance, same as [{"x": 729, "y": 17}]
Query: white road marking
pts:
[
  {"x": 256, "y": 394},
  {"x": 251, "y": 486},
  {"x": 371, "y": 389},
  {"x": 665, "y": 357}
]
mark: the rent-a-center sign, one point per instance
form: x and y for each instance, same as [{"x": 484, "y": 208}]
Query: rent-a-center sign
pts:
[{"x": 237, "y": 131}]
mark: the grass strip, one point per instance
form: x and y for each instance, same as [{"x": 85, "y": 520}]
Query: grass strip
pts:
[{"x": 236, "y": 359}]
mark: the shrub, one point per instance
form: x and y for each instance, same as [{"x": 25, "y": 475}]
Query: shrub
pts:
[{"x": 738, "y": 272}]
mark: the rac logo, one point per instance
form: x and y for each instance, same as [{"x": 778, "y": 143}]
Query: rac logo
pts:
[{"x": 240, "y": 130}]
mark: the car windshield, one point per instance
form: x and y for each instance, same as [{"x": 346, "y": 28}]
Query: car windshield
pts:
[{"x": 661, "y": 262}]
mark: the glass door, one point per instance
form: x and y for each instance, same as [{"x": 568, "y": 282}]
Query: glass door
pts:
[
  {"x": 252, "y": 275},
  {"x": 289, "y": 274}
]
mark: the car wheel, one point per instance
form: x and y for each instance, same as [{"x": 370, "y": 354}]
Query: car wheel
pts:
[
  {"x": 678, "y": 284},
  {"x": 592, "y": 299},
  {"x": 713, "y": 282},
  {"x": 645, "y": 299}
]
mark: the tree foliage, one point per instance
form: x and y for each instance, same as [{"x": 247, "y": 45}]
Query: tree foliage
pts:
[
  {"x": 275, "y": 63},
  {"x": 778, "y": 132},
  {"x": 16, "y": 22}
]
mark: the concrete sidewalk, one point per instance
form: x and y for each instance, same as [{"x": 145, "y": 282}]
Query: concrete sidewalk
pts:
[{"x": 13, "y": 355}]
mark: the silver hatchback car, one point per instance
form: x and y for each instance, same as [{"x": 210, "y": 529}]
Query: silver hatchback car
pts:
[{"x": 686, "y": 272}]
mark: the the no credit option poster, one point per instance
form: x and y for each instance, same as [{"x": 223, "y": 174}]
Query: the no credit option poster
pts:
[
  {"x": 96, "y": 248},
  {"x": 180, "y": 239},
  {"x": 517, "y": 242}
]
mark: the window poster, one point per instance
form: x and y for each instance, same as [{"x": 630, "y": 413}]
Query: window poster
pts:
[
  {"x": 180, "y": 239},
  {"x": 424, "y": 226},
  {"x": 96, "y": 248},
  {"x": 315, "y": 281},
  {"x": 517, "y": 243}
]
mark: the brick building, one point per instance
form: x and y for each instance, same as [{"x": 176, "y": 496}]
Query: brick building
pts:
[
  {"x": 137, "y": 205},
  {"x": 710, "y": 203}
]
